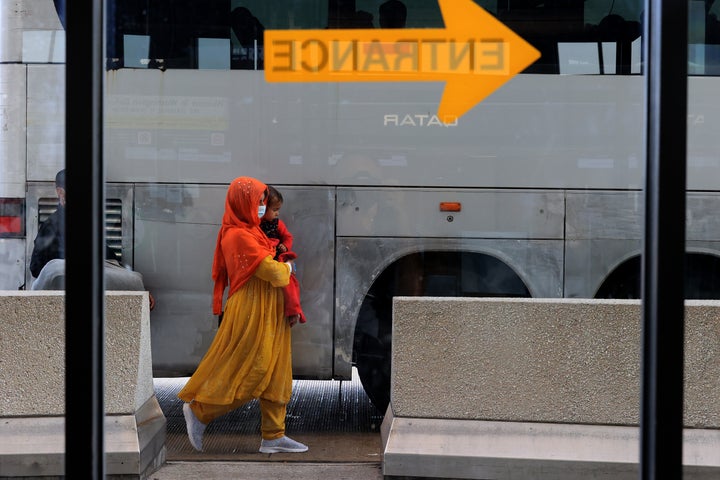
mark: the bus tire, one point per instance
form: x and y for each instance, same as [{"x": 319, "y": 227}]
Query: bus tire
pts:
[{"x": 373, "y": 366}]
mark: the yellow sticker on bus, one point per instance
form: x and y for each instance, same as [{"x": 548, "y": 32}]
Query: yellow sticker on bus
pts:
[{"x": 475, "y": 54}]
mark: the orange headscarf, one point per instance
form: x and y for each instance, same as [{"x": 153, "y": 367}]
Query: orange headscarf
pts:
[{"x": 241, "y": 237}]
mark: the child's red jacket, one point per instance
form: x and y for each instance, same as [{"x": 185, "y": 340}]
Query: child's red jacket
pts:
[{"x": 292, "y": 291}]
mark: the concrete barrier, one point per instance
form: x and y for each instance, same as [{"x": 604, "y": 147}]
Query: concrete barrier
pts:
[
  {"x": 537, "y": 388},
  {"x": 32, "y": 382}
]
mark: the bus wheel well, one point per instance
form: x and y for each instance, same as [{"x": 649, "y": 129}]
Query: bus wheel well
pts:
[
  {"x": 702, "y": 278},
  {"x": 440, "y": 274}
]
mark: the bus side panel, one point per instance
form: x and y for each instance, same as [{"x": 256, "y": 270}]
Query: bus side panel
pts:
[
  {"x": 12, "y": 165},
  {"x": 538, "y": 131},
  {"x": 176, "y": 230},
  {"x": 605, "y": 229},
  {"x": 160, "y": 125},
  {"x": 174, "y": 238},
  {"x": 588, "y": 262},
  {"x": 701, "y": 219},
  {"x": 309, "y": 213},
  {"x": 703, "y": 160},
  {"x": 407, "y": 212},
  {"x": 29, "y": 29},
  {"x": 12, "y": 133},
  {"x": 45, "y": 122},
  {"x": 12, "y": 263}
]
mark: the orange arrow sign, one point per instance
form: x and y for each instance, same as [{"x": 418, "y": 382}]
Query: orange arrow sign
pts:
[{"x": 475, "y": 55}]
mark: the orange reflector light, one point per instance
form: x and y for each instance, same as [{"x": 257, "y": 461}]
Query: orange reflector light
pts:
[{"x": 450, "y": 206}]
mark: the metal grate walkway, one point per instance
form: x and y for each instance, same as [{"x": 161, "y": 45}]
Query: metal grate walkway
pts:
[{"x": 334, "y": 418}]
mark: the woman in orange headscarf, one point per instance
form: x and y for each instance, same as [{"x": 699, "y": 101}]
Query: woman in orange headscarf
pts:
[{"x": 250, "y": 354}]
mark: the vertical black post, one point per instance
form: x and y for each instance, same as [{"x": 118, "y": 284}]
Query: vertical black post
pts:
[
  {"x": 84, "y": 286},
  {"x": 661, "y": 422}
]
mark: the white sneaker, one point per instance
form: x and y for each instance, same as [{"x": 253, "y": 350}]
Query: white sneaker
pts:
[
  {"x": 195, "y": 428},
  {"x": 282, "y": 444}
]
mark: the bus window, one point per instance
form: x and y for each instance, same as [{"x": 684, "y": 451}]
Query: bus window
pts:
[{"x": 574, "y": 37}]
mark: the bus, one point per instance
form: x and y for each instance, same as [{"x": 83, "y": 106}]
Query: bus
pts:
[{"x": 535, "y": 192}]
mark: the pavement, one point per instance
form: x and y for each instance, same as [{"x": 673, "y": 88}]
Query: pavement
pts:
[{"x": 268, "y": 470}]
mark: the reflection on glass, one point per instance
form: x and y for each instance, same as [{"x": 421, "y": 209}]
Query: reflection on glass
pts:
[
  {"x": 393, "y": 14},
  {"x": 248, "y": 40}
]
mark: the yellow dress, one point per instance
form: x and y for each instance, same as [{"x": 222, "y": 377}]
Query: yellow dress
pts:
[{"x": 250, "y": 356}]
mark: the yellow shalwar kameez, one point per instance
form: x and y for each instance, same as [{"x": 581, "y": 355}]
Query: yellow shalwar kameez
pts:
[{"x": 250, "y": 356}]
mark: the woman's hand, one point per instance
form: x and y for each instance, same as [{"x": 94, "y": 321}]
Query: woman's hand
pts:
[
  {"x": 281, "y": 248},
  {"x": 293, "y": 319},
  {"x": 291, "y": 264}
]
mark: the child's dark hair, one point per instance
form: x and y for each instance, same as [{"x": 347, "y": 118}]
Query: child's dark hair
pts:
[{"x": 274, "y": 195}]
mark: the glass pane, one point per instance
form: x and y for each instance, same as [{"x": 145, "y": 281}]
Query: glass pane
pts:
[{"x": 536, "y": 192}]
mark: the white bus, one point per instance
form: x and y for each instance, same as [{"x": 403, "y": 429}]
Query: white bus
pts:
[{"x": 547, "y": 171}]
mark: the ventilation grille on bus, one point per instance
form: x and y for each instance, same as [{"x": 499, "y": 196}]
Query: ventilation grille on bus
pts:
[{"x": 113, "y": 220}]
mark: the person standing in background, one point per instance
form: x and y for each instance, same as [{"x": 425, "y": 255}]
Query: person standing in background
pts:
[
  {"x": 50, "y": 240},
  {"x": 47, "y": 262}
]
